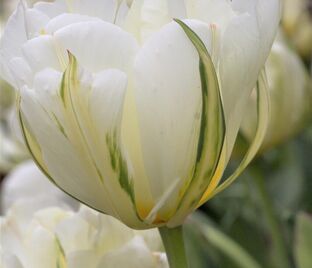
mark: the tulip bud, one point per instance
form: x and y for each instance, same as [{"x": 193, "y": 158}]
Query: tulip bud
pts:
[
  {"x": 135, "y": 110},
  {"x": 290, "y": 97},
  {"x": 297, "y": 23}
]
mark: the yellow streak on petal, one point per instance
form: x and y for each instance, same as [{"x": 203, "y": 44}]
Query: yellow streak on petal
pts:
[
  {"x": 160, "y": 219},
  {"x": 216, "y": 178},
  {"x": 43, "y": 32},
  {"x": 144, "y": 210}
]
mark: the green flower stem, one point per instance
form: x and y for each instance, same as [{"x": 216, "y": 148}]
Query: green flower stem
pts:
[
  {"x": 174, "y": 246},
  {"x": 281, "y": 258}
]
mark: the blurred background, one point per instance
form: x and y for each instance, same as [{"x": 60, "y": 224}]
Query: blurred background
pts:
[{"x": 265, "y": 218}]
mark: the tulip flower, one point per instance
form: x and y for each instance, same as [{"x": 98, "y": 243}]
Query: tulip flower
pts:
[
  {"x": 290, "y": 90},
  {"x": 134, "y": 108}
]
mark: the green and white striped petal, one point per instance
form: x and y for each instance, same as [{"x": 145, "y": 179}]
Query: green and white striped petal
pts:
[
  {"x": 181, "y": 128},
  {"x": 212, "y": 131}
]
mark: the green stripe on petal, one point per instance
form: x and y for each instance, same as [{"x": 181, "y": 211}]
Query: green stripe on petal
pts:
[
  {"x": 61, "y": 261},
  {"x": 69, "y": 85},
  {"x": 119, "y": 165},
  {"x": 212, "y": 130},
  {"x": 263, "y": 110},
  {"x": 31, "y": 143}
]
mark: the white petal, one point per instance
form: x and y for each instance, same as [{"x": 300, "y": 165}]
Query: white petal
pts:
[
  {"x": 246, "y": 43},
  {"x": 108, "y": 46}
]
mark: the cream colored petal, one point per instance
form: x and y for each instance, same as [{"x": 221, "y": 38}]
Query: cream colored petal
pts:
[{"x": 168, "y": 96}]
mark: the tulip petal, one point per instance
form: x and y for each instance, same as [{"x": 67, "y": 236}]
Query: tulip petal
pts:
[
  {"x": 263, "y": 121},
  {"x": 246, "y": 42},
  {"x": 169, "y": 111},
  {"x": 212, "y": 131}
]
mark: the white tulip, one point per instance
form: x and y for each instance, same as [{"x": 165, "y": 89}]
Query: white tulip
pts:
[
  {"x": 290, "y": 97},
  {"x": 116, "y": 108},
  {"x": 54, "y": 237}
]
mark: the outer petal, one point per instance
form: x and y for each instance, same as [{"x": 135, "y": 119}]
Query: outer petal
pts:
[
  {"x": 168, "y": 95},
  {"x": 240, "y": 46}
]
